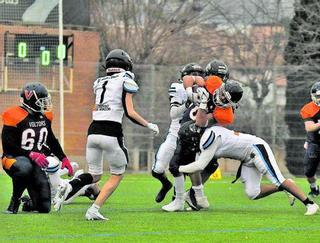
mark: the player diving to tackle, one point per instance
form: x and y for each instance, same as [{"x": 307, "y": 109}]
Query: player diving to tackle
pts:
[
  {"x": 113, "y": 98},
  {"x": 257, "y": 160},
  {"x": 178, "y": 105}
]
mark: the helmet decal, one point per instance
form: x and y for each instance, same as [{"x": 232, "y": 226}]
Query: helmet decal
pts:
[{"x": 28, "y": 94}]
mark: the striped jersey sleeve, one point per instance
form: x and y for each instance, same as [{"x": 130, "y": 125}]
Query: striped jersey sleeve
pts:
[{"x": 175, "y": 94}]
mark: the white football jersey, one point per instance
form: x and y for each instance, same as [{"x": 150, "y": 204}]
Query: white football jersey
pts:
[
  {"x": 178, "y": 96},
  {"x": 233, "y": 144},
  {"x": 109, "y": 91}
]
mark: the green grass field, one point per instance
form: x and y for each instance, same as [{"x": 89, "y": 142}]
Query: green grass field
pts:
[{"x": 135, "y": 217}]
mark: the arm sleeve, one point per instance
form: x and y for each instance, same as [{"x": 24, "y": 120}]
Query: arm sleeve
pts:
[
  {"x": 208, "y": 149},
  {"x": 11, "y": 143},
  {"x": 177, "y": 103},
  {"x": 54, "y": 145},
  {"x": 177, "y": 111},
  {"x": 126, "y": 110}
]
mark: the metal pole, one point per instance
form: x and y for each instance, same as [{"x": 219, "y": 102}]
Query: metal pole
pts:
[{"x": 61, "y": 88}]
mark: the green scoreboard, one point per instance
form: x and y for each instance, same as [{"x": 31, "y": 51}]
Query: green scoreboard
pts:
[{"x": 37, "y": 49}]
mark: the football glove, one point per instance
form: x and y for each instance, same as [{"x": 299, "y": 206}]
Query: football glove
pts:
[
  {"x": 39, "y": 158},
  {"x": 153, "y": 127},
  {"x": 66, "y": 164},
  {"x": 203, "y": 97}
]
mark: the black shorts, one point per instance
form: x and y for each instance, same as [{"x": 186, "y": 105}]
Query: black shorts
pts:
[{"x": 311, "y": 159}]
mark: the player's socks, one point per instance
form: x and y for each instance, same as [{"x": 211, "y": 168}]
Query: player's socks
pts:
[
  {"x": 198, "y": 191},
  {"x": 166, "y": 185},
  {"x": 307, "y": 201},
  {"x": 79, "y": 182},
  {"x": 179, "y": 187}
]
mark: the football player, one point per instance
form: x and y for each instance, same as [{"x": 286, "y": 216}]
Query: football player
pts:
[
  {"x": 257, "y": 160},
  {"x": 25, "y": 129},
  {"x": 310, "y": 113},
  {"x": 178, "y": 105},
  {"x": 220, "y": 111},
  {"x": 113, "y": 99}
]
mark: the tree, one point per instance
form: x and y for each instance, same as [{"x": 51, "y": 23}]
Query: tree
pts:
[
  {"x": 253, "y": 38},
  {"x": 302, "y": 56},
  {"x": 151, "y": 31}
]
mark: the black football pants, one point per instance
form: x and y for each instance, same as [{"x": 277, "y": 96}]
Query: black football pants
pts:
[{"x": 27, "y": 175}]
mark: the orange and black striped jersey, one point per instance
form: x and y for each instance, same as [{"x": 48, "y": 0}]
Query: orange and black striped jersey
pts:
[
  {"x": 24, "y": 132},
  {"x": 311, "y": 112}
]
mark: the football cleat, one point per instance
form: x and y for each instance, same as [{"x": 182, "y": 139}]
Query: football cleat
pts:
[
  {"x": 191, "y": 200},
  {"x": 13, "y": 207},
  {"x": 202, "y": 202},
  {"x": 314, "y": 192},
  {"x": 62, "y": 193},
  {"x": 312, "y": 209},
  {"x": 175, "y": 205},
  {"x": 93, "y": 214},
  {"x": 163, "y": 192}
]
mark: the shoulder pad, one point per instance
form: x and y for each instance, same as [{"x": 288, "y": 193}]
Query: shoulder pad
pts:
[
  {"x": 130, "y": 86},
  {"x": 128, "y": 74},
  {"x": 309, "y": 110},
  {"x": 49, "y": 115},
  {"x": 207, "y": 139},
  {"x": 14, "y": 115}
]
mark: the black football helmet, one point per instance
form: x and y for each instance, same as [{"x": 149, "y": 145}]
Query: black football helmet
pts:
[
  {"x": 228, "y": 94},
  {"x": 116, "y": 59},
  {"x": 192, "y": 69},
  {"x": 35, "y": 96},
  {"x": 217, "y": 68},
  {"x": 315, "y": 93}
]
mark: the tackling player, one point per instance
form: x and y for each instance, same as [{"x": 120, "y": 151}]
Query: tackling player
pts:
[
  {"x": 113, "y": 99},
  {"x": 257, "y": 160},
  {"x": 25, "y": 129},
  {"x": 178, "y": 105},
  {"x": 221, "y": 104},
  {"x": 310, "y": 113}
]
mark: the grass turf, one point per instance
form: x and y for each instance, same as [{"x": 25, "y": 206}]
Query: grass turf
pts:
[{"x": 135, "y": 217}]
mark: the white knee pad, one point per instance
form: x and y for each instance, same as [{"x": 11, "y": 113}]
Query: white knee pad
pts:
[
  {"x": 252, "y": 193},
  {"x": 159, "y": 168}
]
